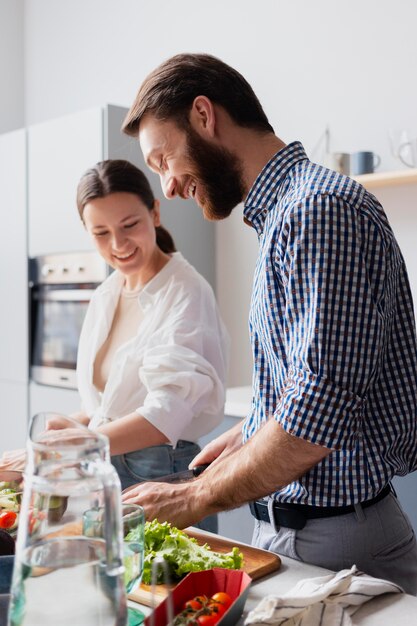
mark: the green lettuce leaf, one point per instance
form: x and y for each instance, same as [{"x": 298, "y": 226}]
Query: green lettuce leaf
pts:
[{"x": 181, "y": 553}]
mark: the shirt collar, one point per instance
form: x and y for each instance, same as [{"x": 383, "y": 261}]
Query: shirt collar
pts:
[{"x": 263, "y": 192}]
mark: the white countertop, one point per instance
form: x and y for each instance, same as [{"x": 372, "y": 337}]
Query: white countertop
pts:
[
  {"x": 238, "y": 401},
  {"x": 388, "y": 609}
]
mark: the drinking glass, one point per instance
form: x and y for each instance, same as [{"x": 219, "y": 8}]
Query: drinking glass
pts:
[
  {"x": 133, "y": 519},
  {"x": 399, "y": 140},
  {"x": 133, "y": 524}
]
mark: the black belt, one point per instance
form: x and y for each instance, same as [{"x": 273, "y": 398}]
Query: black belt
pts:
[{"x": 295, "y": 516}]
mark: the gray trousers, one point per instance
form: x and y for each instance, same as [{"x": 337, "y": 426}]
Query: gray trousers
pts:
[{"x": 379, "y": 540}]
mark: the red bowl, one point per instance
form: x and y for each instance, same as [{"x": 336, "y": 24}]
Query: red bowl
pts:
[{"x": 234, "y": 582}]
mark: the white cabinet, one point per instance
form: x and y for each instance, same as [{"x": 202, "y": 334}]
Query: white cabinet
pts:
[
  {"x": 53, "y": 399},
  {"x": 13, "y": 292},
  {"x": 13, "y": 414},
  {"x": 59, "y": 151},
  {"x": 13, "y": 265}
]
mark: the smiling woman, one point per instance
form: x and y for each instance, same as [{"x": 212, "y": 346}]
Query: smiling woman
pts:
[
  {"x": 123, "y": 229},
  {"x": 152, "y": 357}
]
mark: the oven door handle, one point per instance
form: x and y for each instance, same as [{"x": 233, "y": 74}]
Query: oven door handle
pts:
[{"x": 63, "y": 295}]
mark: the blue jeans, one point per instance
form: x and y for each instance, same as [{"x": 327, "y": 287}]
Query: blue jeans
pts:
[
  {"x": 6, "y": 571},
  {"x": 149, "y": 463}
]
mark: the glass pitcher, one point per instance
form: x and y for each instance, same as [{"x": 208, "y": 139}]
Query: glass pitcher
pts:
[{"x": 62, "y": 576}]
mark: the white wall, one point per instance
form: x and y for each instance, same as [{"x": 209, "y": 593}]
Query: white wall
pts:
[
  {"x": 11, "y": 65},
  {"x": 350, "y": 65}
]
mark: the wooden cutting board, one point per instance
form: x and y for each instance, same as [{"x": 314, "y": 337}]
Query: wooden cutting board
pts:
[{"x": 256, "y": 563}]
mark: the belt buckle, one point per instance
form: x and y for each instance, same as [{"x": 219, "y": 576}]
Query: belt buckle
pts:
[{"x": 289, "y": 518}]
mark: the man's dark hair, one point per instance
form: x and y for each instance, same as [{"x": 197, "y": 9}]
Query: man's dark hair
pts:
[{"x": 169, "y": 92}]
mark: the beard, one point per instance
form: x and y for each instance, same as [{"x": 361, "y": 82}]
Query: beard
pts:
[{"x": 219, "y": 173}]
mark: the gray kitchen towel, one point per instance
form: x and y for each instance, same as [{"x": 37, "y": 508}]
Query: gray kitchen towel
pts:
[{"x": 323, "y": 601}]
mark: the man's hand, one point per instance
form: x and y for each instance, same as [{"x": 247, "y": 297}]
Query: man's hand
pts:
[
  {"x": 220, "y": 447},
  {"x": 175, "y": 503}
]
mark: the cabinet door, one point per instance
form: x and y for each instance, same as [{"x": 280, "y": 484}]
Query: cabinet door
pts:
[
  {"x": 13, "y": 265},
  {"x": 59, "y": 152},
  {"x": 52, "y": 399},
  {"x": 13, "y": 415}
]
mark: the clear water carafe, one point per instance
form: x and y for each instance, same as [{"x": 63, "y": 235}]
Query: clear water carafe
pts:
[{"x": 62, "y": 576}]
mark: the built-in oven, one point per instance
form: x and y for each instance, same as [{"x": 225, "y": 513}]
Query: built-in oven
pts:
[{"x": 61, "y": 286}]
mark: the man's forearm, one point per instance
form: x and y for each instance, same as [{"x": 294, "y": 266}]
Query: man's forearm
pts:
[{"x": 267, "y": 462}]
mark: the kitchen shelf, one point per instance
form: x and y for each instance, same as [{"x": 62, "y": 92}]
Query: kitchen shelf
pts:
[{"x": 388, "y": 179}]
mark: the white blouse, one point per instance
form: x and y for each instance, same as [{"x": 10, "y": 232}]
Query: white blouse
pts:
[{"x": 173, "y": 372}]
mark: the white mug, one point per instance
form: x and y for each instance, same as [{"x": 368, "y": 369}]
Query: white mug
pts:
[
  {"x": 407, "y": 153},
  {"x": 338, "y": 161}
]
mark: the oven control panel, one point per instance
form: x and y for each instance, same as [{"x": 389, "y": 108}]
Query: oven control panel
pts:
[{"x": 69, "y": 268}]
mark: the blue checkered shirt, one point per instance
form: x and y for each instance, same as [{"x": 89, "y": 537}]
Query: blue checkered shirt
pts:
[{"x": 332, "y": 330}]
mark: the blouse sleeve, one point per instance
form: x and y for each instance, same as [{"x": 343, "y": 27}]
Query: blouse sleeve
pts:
[{"x": 185, "y": 362}]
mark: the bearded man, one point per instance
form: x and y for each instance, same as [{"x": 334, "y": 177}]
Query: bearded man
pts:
[{"x": 334, "y": 410}]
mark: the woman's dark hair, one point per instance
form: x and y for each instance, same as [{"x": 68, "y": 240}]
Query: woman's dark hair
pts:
[
  {"x": 169, "y": 92},
  {"x": 117, "y": 175}
]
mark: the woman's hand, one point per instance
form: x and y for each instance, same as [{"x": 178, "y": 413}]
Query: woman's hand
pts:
[
  {"x": 13, "y": 460},
  {"x": 220, "y": 447},
  {"x": 60, "y": 422}
]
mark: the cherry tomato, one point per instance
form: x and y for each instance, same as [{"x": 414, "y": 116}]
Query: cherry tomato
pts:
[
  {"x": 201, "y": 599},
  {"x": 207, "y": 620},
  {"x": 223, "y": 598},
  {"x": 7, "y": 519},
  {"x": 217, "y": 608},
  {"x": 193, "y": 605}
]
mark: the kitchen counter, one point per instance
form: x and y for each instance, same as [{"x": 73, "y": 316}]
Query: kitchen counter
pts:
[
  {"x": 382, "y": 611},
  {"x": 238, "y": 401},
  {"x": 387, "y": 609}
]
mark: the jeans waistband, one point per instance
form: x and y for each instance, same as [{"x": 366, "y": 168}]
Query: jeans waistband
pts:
[{"x": 295, "y": 516}]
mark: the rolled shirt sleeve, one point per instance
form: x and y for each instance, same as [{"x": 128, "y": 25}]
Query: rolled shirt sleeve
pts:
[{"x": 331, "y": 324}]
